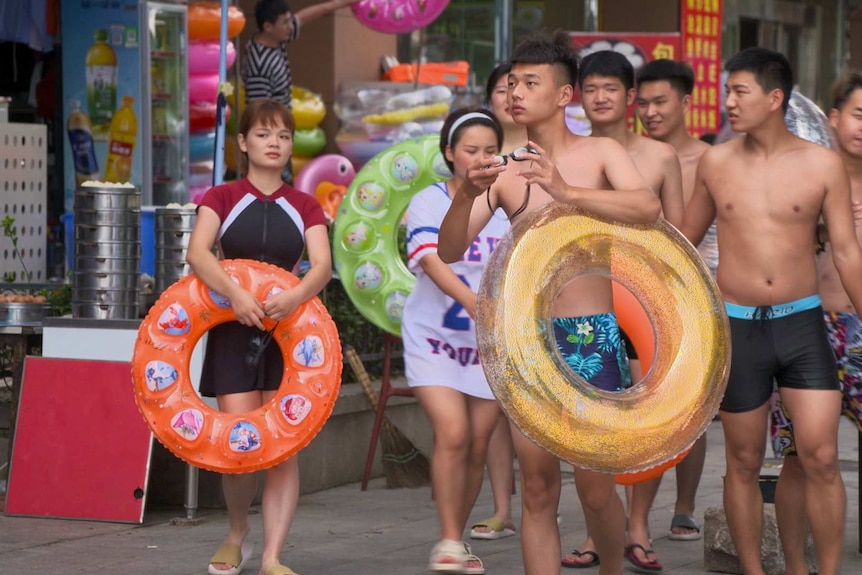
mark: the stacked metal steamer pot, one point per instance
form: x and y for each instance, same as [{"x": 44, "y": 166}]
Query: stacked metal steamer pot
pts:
[
  {"x": 107, "y": 251},
  {"x": 174, "y": 224}
]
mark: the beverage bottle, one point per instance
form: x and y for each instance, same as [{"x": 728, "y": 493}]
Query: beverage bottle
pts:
[
  {"x": 81, "y": 141},
  {"x": 121, "y": 142},
  {"x": 101, "y": 74}
]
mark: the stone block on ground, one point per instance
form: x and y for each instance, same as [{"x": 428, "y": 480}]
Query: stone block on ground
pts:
[{"x": 719, "y": 553}]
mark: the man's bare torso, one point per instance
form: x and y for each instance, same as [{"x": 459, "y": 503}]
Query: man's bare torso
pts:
[
  {"x": 767, "y": 211},
  {"x": 688, "y": 160},
  {"x": 649, "y": 157},
  {"x": 831, "y": 289},
  {"x": 579, "y": 165}
]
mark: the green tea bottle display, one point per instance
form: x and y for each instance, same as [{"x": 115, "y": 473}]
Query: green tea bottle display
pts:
[{"x": 101, "y": 73}]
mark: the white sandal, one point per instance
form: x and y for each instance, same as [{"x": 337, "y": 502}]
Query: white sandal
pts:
[{"x": 458, "y": 550}]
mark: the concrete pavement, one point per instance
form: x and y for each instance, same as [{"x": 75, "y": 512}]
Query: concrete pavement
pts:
[{"x": 346, "y": 531}]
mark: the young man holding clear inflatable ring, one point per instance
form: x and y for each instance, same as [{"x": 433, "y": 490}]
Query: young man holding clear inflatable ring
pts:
[
  {"x": 768, "y": 190},
  {"x": 664, "y": 89},
  {"x": 607, "y": 90},
  {"x": 597, "y": 175}
]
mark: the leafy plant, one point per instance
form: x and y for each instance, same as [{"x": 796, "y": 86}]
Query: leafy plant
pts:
[
  {"x": 10, "y": 230},
  {"x": 59, "y": 297}
]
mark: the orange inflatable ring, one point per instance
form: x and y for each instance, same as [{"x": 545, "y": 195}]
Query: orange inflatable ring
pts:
[
  {"x": 633, "y": 320},
  {"x": 235, "y": 443},
  {"x": 651, "y": 473},
  {"x": 205, "y": 21}
]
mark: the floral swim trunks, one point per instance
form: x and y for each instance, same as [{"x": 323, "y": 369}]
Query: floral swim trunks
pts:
[
  {"x": 844, "y": 331},
  {"x": 592, "y": 347}
]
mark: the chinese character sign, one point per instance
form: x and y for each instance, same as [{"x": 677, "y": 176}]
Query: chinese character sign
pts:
[
  {"x": 701, "y": 37},
  {"x": 638, "y": 48}
]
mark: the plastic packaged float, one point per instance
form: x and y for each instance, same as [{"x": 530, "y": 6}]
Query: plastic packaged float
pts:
[{"x": 382, "y": 114}]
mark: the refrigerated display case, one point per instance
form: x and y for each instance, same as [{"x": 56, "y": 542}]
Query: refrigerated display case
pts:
[
  {"x": 165, "y": 142},
  {"x": 125, "y": 96}
]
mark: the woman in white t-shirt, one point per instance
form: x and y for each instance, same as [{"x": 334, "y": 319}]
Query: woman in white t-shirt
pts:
[{"x": 440, "y": 351}]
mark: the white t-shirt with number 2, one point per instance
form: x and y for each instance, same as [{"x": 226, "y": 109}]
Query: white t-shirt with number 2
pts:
[{"x": 439, "y": 337}]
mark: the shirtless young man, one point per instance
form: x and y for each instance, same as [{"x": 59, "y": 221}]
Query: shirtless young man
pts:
[
  {"x": 597, "y": 175},
  {"x": 843, "y": 328},
  {"x": 607, "y": 81},
  {"x": 607, "y": 90},
  {"x": 768, "y": 190},
  {"x": 663, "y": 99}
]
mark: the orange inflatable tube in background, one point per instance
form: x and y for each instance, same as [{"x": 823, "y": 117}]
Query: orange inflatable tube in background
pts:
[
  {"x": 235, "y": 443},
  {"x": 634, "y": 321},
  {"x": 205, "y": 21}
]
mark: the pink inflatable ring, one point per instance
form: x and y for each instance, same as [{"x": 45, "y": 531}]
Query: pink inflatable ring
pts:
[
  {"x": 398, "y": 16},
  {"x": 204, "y": 57}
]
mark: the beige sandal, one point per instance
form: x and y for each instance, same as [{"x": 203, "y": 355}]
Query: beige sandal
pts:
[
  {"x": 497, "y": 529},
  {"x": 459, "y": 557},
  {"x": 230, "y": 554},
  {"x": 280, "y": 570}
]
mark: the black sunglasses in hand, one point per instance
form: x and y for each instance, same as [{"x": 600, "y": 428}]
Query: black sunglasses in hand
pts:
[{"x": 519, "y": 155}]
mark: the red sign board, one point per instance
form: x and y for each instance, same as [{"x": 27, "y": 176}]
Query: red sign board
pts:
[{"x": 700, "y": 23}]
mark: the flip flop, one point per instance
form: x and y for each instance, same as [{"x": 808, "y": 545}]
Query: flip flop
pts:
[
  {"x": 231, "y": 554},
  {"x": 578, "y": 553},
  {"x": 686, "y": 522},
  {"x": 649, "y": 566},
  {"x": 498, "y": 529},
  {"x": 279, "y": 570}
]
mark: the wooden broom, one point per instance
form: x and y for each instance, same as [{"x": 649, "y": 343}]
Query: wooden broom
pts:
[{"x": 403, "y": 464}]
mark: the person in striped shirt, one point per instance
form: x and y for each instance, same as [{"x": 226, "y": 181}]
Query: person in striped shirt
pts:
[{"x": 266, "y": 68}]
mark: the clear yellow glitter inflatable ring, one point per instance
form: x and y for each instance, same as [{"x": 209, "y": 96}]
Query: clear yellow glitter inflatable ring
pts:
[{"x": 613, "y": 432}]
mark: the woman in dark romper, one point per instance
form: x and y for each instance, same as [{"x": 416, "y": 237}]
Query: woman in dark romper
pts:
[{"x": 261, "y": 218}]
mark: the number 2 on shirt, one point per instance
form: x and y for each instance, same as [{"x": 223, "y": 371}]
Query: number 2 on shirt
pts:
[{"x": 452, "y": 318}]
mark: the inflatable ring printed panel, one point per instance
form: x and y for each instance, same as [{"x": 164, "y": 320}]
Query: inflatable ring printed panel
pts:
[
  {"x": 365, "y": 240},
  {"x": 235, "y": 443},
  {"x": 613, "y": 432}
]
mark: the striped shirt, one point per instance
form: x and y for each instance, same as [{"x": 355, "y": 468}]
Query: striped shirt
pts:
[{"x": 266, "y": 70}]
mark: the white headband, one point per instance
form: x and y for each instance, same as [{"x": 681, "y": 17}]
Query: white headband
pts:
[{"x": 464, "y": 118}]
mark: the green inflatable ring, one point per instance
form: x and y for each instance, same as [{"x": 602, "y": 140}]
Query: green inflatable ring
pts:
[{"x": 365, "y": 240}]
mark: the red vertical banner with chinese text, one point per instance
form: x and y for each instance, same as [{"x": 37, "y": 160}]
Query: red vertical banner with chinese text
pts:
[{"x": 700, "y": 23}]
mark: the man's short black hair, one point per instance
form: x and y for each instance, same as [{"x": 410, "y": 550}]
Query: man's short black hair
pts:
[
  {"x": 770, "y": 68},
  {"x": 678, "y": 74},
  {"x": 555, "y": 49},
  {"x": 844, "y": 88},
  {"x": 269, "y": 11},
  {"x": 610, "y": 64}
]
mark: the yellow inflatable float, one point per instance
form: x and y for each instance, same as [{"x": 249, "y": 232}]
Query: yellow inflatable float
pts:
[{"x": 308, "y": 108}]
